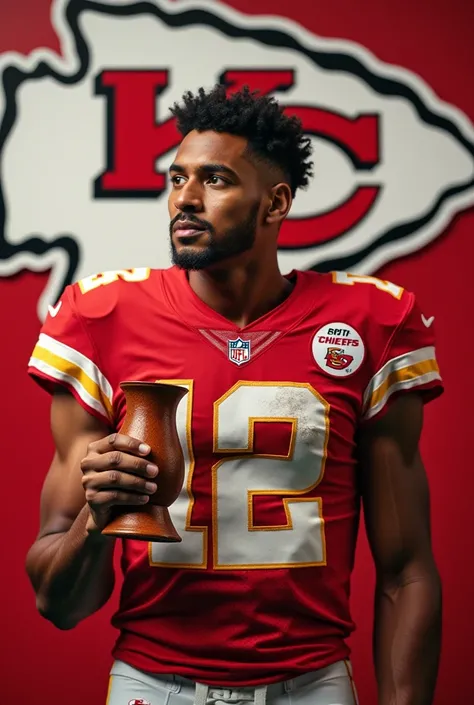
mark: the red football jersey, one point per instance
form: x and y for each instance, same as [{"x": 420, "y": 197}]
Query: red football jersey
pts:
[{"x": 258, "y": 589}]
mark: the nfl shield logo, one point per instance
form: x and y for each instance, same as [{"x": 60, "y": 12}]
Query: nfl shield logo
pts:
[{"x": 239, "y": 351}]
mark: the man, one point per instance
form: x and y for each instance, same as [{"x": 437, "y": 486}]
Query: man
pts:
[{"x": 306, "y": 392}]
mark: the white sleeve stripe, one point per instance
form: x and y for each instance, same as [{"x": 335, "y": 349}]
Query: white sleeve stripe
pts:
[
  {"x": 56, "y": 374},
  {"x": 402, "y": 384},
  {"x": 78, "y": 359},
  {"x": 397, "y": 363}
]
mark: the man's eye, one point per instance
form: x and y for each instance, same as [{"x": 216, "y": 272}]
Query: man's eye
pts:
[
  {"x": 216, "y": 180},
  {"x": 177, "y": 180}
]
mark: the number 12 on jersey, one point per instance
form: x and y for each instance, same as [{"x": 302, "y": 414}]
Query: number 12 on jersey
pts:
[{"x": 242, "y": 474}]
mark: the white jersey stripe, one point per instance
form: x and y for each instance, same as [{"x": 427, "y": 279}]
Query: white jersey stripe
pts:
[
  {"x": 79, "y": 360},
  {"x": 401, "y": 384},
  {"x": 396, "y": 363},
  {"x": 54, "y": 373}
]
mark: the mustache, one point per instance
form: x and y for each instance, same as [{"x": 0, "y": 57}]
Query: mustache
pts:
[{"x": 190, "y": 218}]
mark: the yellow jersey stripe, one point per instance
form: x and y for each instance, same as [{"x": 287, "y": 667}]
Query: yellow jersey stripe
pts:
[
  {"x": 69, "y": 369},
  {"x": 52, "y": 373},
  {"x": 396, "y": 363},
  {"x": 411, "y": 372},
  {"x": 79, "y": 360}
]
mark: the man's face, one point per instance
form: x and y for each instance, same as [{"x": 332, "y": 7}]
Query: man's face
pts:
[{"x": 215, "y": 200}]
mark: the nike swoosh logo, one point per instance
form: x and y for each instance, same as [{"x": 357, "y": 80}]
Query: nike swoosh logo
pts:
[
  {"x": 54, "y": 310},
  {"x": 427, "y": 321}
]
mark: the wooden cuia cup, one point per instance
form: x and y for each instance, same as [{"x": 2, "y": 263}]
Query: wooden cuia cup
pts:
[{"x": 151, "y": 418}]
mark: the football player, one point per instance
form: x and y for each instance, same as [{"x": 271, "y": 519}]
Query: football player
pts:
[{"x": 305, "y": 400}]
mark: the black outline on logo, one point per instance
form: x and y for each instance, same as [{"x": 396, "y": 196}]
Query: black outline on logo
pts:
[{"x": 331, "y": 61}]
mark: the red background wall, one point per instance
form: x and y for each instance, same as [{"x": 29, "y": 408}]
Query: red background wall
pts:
[{"x": 42, "y": 665}]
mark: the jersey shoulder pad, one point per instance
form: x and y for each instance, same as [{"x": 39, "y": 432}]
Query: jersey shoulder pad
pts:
[
  {"x": 378, "y": 300},
  {"x": 97, "y": 295}
]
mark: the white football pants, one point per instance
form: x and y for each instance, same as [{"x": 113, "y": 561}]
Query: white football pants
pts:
[{"x": 328, "y": 686}]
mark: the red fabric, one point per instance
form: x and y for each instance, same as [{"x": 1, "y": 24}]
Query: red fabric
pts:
[{"x": 262, "y": 619}]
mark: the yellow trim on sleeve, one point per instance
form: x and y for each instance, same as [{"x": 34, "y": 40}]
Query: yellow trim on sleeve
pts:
[{"x": 72, "y": 370}]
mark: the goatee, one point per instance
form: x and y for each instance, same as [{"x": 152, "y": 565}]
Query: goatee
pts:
[{"x": 233, "y": 242}]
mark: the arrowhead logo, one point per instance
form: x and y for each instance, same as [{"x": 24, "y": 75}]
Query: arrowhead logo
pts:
[
  {"x": 427, "y": 321},
  {"x": 370, "y": 123}
]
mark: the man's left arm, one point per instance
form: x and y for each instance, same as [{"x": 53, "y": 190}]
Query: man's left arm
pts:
[{"x": 408, "y": 603}]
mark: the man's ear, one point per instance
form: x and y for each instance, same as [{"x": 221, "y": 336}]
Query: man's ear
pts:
[{"x": 280, "y": 203}]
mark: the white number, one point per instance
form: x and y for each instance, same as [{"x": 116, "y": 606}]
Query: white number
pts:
[
  {"x": 239, "y": 542},
  {"x": 103, "y": 278},
  {"x": 351, "y": 279}
]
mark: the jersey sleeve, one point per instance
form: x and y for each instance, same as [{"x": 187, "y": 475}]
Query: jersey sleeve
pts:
[
  {"x": 65, "y": 355},
  {"x": 408, "y": 363}
]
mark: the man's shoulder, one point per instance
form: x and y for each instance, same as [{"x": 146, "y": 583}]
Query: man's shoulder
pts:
[
  {"x": 101, "y": 293},
  {"x": 367, "y": 297}
]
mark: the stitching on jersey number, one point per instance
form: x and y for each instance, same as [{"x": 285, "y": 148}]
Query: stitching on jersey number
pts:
[{"x": 239, "y": 476}]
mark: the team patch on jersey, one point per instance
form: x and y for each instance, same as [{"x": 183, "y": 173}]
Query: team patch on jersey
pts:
[
  {"x": 338, "y": 349},
  {"x": 139, "y": 701},
  {"x": 238, "y": 351}
]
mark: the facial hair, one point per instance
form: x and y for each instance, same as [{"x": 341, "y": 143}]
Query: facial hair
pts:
[{"x": 231, "y": 243}]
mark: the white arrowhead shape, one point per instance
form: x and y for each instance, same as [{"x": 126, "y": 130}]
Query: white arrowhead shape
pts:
[{"x": 54, "y": 130}]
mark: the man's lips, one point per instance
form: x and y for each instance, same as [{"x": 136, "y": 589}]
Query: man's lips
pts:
[
  {"x": 188, "y": 229},
  {"x": 188, "y": 232}
]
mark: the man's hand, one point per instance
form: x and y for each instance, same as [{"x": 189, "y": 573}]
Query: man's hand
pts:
[{"x": 116, "y": 472}]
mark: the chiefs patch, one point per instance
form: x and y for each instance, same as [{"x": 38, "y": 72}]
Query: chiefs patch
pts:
[{"x": 338, "y": 349}]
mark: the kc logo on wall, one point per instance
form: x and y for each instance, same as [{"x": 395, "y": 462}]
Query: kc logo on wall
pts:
[{"x": 86, "y": 139}]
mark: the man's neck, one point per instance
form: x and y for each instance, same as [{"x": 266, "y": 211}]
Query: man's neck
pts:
[{"x": 243, "y": 293}]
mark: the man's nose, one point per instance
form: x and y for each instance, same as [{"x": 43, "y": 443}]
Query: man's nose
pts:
[{"x": 189, "y": 198}]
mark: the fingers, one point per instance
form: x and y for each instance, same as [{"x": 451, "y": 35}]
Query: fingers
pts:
[
  {"x": 113, "y": 480},
  {"x": 118, "y": 459},
  {"x": 100, "y": 501},
  {"x": 104, "y": 490},
  {"x": 119, "y": 442},
  {"x": 116, "y": 472}
]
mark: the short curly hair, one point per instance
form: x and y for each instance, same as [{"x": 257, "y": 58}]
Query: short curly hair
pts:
[{"x": 272, "y": 135}]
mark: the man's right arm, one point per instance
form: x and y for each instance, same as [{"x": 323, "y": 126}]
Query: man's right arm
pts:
[{"x": 70, "y": 563}]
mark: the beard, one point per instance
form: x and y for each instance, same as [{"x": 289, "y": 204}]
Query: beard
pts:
[{"x": 231, "y": 243}]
